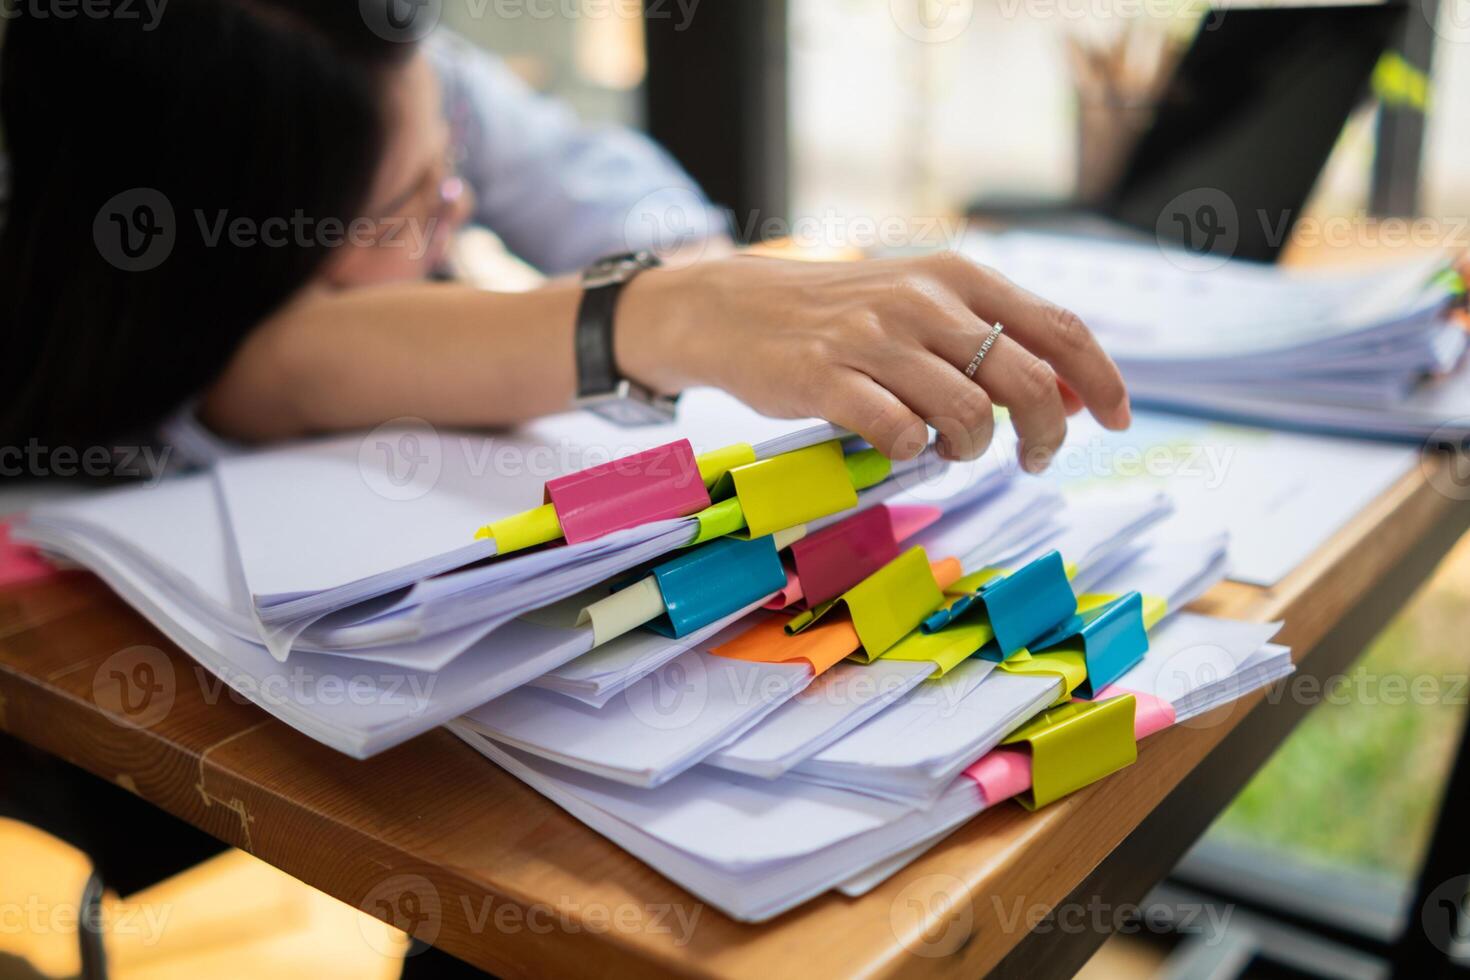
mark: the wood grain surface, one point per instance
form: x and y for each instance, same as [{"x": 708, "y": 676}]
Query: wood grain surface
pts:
[{"x": 436, "y": 839}]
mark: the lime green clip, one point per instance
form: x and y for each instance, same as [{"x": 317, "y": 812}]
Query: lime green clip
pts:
[
  {"x": 1155, "y": 607},
  {"x": 790, "y": 489},
  {"x": 885, "y": 605},
  {"x": 946, "y": 648},
  {"x": 1067, "y": 665},
  {"x": 769, "y": 495},
  {"x": 1074, "y": 745},
  {"x": 717, "y": 462},
  {"x": 1400, "y": 83},
  {"x": 527, "y": 529}
]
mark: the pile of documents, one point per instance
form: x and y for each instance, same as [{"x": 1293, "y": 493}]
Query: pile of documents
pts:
[
  {"x": 1371, "y": 352},
  {"x": 753, "y": 652}
]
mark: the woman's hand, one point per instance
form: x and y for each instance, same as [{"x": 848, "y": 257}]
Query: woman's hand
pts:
[{"x": 878, "y": 347}]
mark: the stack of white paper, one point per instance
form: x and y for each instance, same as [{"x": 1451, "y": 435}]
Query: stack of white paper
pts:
[
  {"x": 986, "y": 507},
  {"x": 362, "y": 612},
  {"x": 1360, "y": 353},
  {"x": 756, "y": 848},
  {"x": 850, "y": 695},
  {"x": 912, "y": 751},
  {"x": 318, "y": 558}
]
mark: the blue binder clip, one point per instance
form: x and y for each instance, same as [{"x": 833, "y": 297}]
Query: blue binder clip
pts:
[
  {"x": 710, "y": 582},
  {"x": 1020, "y": 606},
  {"x": 1112, "y": 638}
]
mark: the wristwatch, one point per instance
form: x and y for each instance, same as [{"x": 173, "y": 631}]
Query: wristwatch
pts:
[{"x": 600, "y": 388}]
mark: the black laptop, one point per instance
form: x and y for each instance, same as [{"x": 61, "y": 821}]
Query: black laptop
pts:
[{"x": 1243, "y": 128}]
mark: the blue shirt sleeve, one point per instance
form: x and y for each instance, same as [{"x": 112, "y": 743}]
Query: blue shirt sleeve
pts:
[{"x": 559, "y": 192}]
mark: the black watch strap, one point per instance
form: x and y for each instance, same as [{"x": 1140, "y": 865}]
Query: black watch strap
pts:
[
  {"x": 597, "y": 374},
  {"x": 603, "y": 281}
]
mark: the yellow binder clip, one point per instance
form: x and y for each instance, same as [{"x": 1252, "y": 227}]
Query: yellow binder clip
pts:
[{"x": 1074, "y": 745}]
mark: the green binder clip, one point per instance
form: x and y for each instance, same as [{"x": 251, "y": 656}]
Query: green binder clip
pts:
[
  {"x": 1074, "y": 745},
  {"x": 884, "y": 606},
  {"x": 769, "y": 495}
]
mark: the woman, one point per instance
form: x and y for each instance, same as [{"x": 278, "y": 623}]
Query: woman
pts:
[{"x": 240, "y": 205}]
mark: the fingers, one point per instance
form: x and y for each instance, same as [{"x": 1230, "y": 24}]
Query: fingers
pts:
[
  {"x": 1070, "y": 399},
  {"x": 1027, "y": 386},
  {"x": 1056, "y": 335},
  {"x": 855, "y": 401},
  {"x": 958, "y": 409}
]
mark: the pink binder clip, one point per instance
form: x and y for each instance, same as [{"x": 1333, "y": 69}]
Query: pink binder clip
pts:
[
  {"x": 834, "y": 559},
  {"x": 653, "y": 485},
  {"x": 839, "y": 556},
  {"x": 20, "y": 563}
]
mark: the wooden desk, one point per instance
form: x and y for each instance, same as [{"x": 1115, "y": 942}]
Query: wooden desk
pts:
[
  {"x": 435, "y": 838},
  {"x": 487, "y": 869}
]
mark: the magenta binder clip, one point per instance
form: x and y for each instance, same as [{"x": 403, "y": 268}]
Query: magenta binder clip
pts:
[
  {"x": 841, "y": 555},
  {"x": 653, "y": 485}
]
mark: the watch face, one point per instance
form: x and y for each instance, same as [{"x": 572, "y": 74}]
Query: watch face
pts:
[
  {"x": 632, "y": 412},
  {"x": 618, "y": 268}
]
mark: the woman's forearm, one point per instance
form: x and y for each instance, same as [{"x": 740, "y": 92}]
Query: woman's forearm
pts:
[
  {"x": 885, "y": 348},
  {"x": 452, "y": 354}
]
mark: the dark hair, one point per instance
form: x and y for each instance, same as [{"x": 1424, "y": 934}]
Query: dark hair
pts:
[{"x": 254, "y": 109}]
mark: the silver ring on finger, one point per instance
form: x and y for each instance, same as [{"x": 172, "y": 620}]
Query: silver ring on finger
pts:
[{"x": 985, "y": 346}]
